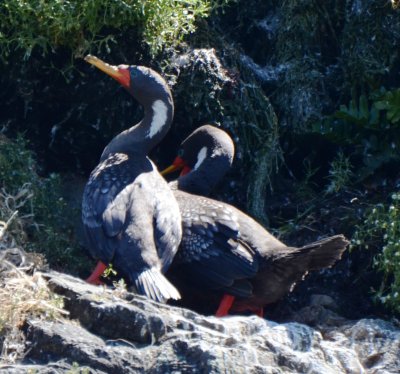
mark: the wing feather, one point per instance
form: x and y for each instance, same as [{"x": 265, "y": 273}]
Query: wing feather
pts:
[{"x": 211, "y": 253}]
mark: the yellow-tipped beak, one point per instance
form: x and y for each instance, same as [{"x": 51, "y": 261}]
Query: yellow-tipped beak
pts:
[
  {"x": 111, "y": 70},
  {"x": 171, "y": 169},
  {"x": 120, "y": 73},
  {"x": 178, "y": 164}
]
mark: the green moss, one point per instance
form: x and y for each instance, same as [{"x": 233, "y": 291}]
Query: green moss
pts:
[
  {"x": 46, "y": 221},
  {"x": 369, "y": 42},
  {"x": 305, "y": 43},
  {"x": 92, "y": 24},
  {"x": 77, "y": 369},
  {"x": 257, "y": 126}
]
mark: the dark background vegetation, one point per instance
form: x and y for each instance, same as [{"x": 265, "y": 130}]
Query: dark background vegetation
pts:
[{"x": 309, "y": 91}]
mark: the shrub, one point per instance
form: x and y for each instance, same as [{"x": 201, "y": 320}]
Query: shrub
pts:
[
  {"x": 368, "y": 128},
  {"x": 339, "y": 174},
  {"x": 44, "y": 222},
  {"x": 91, "y": 24},
  {"x": 381, "y": 228}
]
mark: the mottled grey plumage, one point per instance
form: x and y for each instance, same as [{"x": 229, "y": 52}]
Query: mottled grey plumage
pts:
[
  {"x": 212, "y": 253},
  {"x": 130, "y": 216},
  {"x": 224, "y": 249}
]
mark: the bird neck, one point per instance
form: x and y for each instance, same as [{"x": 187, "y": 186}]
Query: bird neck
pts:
[
  {"x": 203, "y": 180},
  {"x": 141, "y": 138}
]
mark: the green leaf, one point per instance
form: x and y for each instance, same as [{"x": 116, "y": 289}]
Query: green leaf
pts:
[
  {"x": 393, "y": 115},
  {"x": 381, "y": 105},
  {"x": 390, "y": 101}
]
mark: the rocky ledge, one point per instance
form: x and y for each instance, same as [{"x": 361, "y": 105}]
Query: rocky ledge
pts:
[{"x": 119, "y": 332}]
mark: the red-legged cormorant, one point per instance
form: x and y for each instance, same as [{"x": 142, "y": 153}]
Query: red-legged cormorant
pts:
[
  {"x": 130, "y": 216},
  {"x": 226, "y": 252},
  {"x": 208, "y": 152}
]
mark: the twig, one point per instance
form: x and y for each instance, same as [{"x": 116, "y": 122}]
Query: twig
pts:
[{"x": 6, "y": 224}]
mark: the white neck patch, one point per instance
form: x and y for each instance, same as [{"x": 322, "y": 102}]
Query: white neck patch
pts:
[
  {"x": 201, "y": 157},
  {"x": 160, "y": 111}
]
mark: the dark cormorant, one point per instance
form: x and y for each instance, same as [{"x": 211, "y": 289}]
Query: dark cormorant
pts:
[
  {"x": 130, "y": 216},
  {"x": 208, "y": 152},
  {"x": 224, "y": 251}
]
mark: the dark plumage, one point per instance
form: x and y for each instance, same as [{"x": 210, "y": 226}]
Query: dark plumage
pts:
[
  {"x": 225, "y": 251},
  {"x": 209, "y": 152},
  {"x": 130, "y": 215}
]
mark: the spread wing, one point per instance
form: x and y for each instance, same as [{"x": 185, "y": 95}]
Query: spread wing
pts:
[{"x": 211, "y": 253}]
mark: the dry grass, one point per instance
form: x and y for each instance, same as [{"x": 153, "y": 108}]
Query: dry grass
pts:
[
  {"x": 12, "y": 226},
  {"x": 22, "y": 296},
  {"x": 23, "y": 292}
]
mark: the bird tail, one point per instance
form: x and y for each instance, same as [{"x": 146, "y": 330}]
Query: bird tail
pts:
[
  {"x": 325, "y": 252},
  {"x": 155, "y": 286}
]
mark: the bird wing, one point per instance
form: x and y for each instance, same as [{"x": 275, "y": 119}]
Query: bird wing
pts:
[
  {"x": 211, "y": 253},
  {"x": 105, "y": 203},
  {"x": 151, "y": 236},
  {"x": 167, "y": 224}
]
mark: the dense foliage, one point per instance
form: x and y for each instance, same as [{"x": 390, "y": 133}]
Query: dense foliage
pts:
[
  {"x": 381, "y": 227},
  {"x": 369, "y": 128},
  {"x": 91, "y": 24},
  {"x": 39, "y": 218}
]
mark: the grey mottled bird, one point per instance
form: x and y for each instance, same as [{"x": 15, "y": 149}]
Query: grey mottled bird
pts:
[
  {"x": 130, "y": 216},
  {"x": 224, "y": 252}
]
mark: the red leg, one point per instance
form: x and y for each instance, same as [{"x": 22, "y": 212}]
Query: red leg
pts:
[
  {"x": 97, "y": 272},
  {"x": 260, "y": 312},
  {"x": 225, "y": 305}
]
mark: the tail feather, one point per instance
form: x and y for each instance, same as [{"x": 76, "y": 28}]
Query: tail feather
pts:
[
  {"x": 288, "y": 265},
  {"x": 323, "y": 253},
  {"x": 155, "y": 286}
]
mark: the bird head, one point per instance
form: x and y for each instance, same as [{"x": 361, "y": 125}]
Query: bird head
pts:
[
  {"x": 207, "y": 147},
  {"x": 143, "y": 83}
]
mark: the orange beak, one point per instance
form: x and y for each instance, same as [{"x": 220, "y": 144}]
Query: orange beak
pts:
[
  {"x": 178, "y": 164},
  {"x": 119, "y": 73}
]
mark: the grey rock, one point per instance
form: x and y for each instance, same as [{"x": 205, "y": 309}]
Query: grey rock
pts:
[
  {"x": 323, "y": 300},
  {"x": 126, "y": 333}
]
